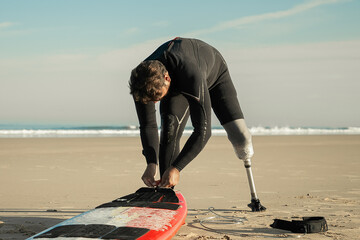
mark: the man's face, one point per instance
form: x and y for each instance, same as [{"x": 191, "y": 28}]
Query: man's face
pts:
[{"x": 165, "y": 89}]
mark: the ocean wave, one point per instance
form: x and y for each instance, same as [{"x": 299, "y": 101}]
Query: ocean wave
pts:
[
  {"x": 134, "y": 131},
  {"x": 24, "y": 133},
  {"x": 304, "y": 131}
]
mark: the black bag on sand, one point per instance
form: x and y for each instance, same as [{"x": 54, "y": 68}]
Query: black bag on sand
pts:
[{"x": 307, "y": 225}]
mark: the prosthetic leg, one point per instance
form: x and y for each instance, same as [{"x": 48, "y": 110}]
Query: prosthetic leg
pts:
[
  {"x": 255, "y": 204},
  {"x": 240, "y": 138}
]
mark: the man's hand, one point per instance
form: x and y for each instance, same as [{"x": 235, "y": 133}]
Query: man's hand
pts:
[
  {"x": 170, "y": 178},
  {"x": 149, "y": 175}
]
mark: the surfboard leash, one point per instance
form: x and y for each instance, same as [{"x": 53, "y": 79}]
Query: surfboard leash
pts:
[{"x": 221, "y": 219}]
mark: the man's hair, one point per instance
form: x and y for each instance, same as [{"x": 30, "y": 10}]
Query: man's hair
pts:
[{"x": 147, "y": 80}]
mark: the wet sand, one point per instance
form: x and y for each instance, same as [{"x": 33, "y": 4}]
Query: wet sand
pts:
[{"x": 47, "y": 180}]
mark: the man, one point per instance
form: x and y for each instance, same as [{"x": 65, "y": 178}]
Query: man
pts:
[{"x": 188, "y": 77}]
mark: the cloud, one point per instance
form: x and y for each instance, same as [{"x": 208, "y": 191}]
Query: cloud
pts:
[
  {"x": 128, "y": 58},
  {"x": 8, "y": 29},
  {"x": 313, "y": 79},
  {"x": 299, "y": 64},
  {"x": 161, "y": 24},
  {"x": 117, "y": 60},
  {"x": 91, "y": 88},
  {"x": 236, "y": 23},
  {"x": 131, "y": 31},
  {"x": 4, "y": 25},
  {"x": 299, "y": 84}
]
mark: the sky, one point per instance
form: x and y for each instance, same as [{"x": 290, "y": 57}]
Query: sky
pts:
[{"x": 293, "y": 62}]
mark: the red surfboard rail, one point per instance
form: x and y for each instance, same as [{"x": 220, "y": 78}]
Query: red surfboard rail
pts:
[{"x": 175, "y": 223}]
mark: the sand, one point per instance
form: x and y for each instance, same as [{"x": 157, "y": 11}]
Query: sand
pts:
[{"x": 46, "y": 180}]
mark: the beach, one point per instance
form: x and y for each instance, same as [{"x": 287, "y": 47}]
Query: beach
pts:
[{"x": 46, "y": 180}]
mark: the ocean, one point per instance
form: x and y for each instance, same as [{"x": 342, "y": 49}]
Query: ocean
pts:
[{"x": 22, "y": 131}]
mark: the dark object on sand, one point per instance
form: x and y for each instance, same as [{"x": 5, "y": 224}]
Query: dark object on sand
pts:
[{"x": 307, "y": 225}]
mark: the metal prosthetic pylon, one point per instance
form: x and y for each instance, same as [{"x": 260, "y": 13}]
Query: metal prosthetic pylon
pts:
[{"x": 255, "y": 204}]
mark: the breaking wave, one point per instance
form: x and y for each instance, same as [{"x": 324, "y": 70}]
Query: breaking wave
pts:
[{"x": 131, "y": 131}]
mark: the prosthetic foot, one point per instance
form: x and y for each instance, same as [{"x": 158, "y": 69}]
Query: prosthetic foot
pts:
[{"x": 256, "y": 206}]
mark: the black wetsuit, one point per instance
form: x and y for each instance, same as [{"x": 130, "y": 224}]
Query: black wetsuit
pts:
[{"x": 200, "y": 81}]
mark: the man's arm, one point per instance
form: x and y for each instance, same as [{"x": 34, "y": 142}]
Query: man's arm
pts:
[
  {"x": 200, "y": 117},
  {"x": 148, "y": 131},
  {"x": 149, "y": 139}
]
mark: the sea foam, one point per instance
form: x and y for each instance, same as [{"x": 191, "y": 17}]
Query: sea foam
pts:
[{"x": 134, "y": 131}]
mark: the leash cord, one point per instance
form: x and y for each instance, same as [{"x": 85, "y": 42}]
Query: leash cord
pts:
[{"x": 221, "y": 219}]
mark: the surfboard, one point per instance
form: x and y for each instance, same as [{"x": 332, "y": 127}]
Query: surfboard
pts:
[{"x": 149, "y": 213}]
